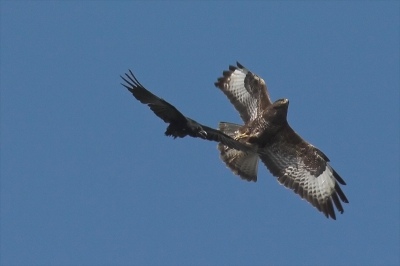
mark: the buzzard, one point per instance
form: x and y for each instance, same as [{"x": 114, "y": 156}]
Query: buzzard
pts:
[
  {"x": 179, "y": 125},
  {"x": 297, "y": 164}
]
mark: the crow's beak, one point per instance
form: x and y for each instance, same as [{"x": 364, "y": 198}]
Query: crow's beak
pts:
[{"x": 203, "y": 134}]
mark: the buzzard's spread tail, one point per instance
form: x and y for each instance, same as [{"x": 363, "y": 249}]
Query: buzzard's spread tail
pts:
[{"x": 244, "y": 164}]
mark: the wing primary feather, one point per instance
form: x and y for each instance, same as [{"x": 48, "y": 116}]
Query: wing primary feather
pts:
[
  {"x": 300, "y": 192},
  {"x": 132, "y": 83},
  {"x": 324, "y": 209},
  {"x": 320, "y": 153},
  {"x": 341, "y": 194},
  {"x": 330, "y": 209},
  {"x": 232, "y": 68},
  {"x": 337, "y": 202},
  {"x": 129, "y": 88},
  {"x": 337, "y": 177},
  {"x": 296, "y": 187},
  {"x": 239, "y": 65},
  {"x": 226, "y": 73},
  {"x": 316, "y": 204},
  {"x": 282, "y": 179},
  {"x": 290, "y": 183},
  {"x": 135, "y": 79},
  {"x": 308, "y": 198}
]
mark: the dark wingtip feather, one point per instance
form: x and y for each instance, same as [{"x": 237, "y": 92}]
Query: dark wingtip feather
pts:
[
  {"x": 220, "y": 82},
  {"x": 320, "y": 153},
  {"x": 314, "y": 202},
  {"x": 337, "y": 202},
  {"x": 324, "y": 210},
  {"x": 227, "y": 73},
  {"x": 133, "y": 82},
  {"x": 137, "y": 83},
  {"x": 129, "y": 89},
  {"x": 232, "y": 68},
  {"x": 130, "y": 84},
  {"x": 239, "y": 65},
  {"x": 338, "y": 178},
  {"x": 331, "y": 210},
  {"x": 341, "y": 194}
]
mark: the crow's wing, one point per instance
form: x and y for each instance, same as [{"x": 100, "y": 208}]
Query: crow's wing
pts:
[
  {"x": 170, "y": 114},
  {"x": 159, "y": 106}
]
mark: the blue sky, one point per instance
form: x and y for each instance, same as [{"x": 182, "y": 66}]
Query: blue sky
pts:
[{"x": 88, "y": 177}]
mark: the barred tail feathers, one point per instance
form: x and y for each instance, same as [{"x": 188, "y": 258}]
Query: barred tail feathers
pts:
[
  {"x": 243, "y": 164},
  {"x": 229, "y": 129}
]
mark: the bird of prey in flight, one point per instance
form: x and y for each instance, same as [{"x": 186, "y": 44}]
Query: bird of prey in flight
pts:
[
  {"x": 297, "y": 164},
  {"x": 179, "y": 125}
]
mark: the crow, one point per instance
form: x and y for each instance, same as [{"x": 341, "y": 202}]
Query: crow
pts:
[{"x": 179, "y": 125}]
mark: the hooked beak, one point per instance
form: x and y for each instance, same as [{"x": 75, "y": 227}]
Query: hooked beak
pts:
[{"x": 203, "y": 134}]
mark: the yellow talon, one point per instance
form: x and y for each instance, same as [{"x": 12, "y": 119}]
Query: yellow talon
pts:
[{"x": 241, "y": 136}]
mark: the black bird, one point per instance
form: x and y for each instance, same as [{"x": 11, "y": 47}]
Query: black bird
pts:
[{"x": 179, "y": 125}]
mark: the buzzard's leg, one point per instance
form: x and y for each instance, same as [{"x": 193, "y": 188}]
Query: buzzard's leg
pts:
[
  {"x": 241, "y": 136},
  {"x": 244, "y": 137}
]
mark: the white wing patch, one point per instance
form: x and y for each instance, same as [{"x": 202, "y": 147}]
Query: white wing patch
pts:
[
  {"x": 291, "y": 171},
  {"x": 320, "y": 188},
  {"x": 233, "y": 86},
  {"x": 236, "y": 87}
]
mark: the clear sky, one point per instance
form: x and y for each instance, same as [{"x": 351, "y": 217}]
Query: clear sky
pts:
[{"x": 88, "y": 177}]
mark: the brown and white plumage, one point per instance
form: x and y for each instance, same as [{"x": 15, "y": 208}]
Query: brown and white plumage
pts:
[{"x": 297, "y": 164}]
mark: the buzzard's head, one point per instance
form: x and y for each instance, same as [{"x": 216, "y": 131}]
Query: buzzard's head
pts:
[
  {"x": 281, "y": 105},
  {"x": 279, "y": 110}
]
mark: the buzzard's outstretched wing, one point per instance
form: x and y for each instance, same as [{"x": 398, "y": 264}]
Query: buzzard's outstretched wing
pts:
[
  {"x": 303, "y": 168},
  {"x": 247, "y": 92},
  {"x": 159, "y": 106},
  {"x": 180, "y": 125}
]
